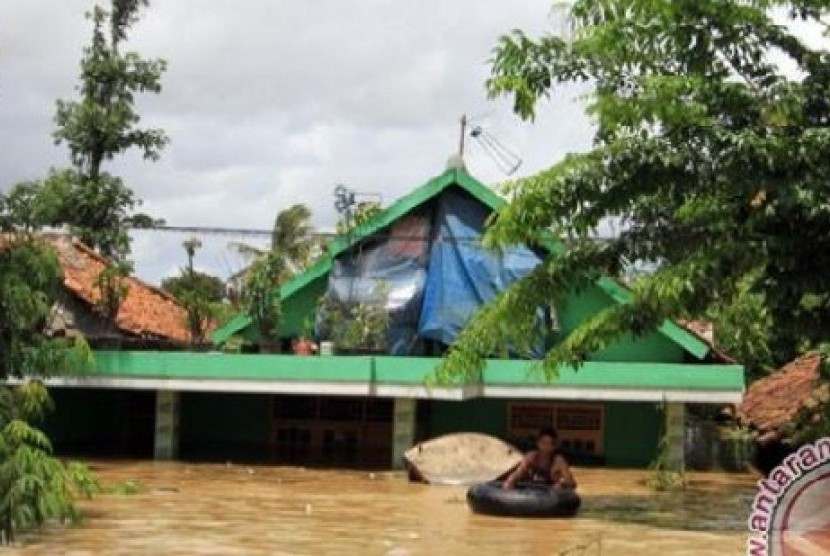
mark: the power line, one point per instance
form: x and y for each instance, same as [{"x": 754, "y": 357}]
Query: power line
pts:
[
  {"x": 377, "y": 236},
  {"x": 211, "y": 230},
  {"x": 206, "y": 230}
]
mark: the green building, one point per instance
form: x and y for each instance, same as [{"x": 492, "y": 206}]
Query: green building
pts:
[{"x": 365, "y": 409}]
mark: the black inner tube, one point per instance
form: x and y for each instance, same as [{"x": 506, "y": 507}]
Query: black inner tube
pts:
[{"x": 524, "y": 500}]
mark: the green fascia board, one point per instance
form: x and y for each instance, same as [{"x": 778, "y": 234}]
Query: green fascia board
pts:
[
  {"x": 593, "y": 374},
  {"x": 222, "y": 366},
  {"x": 404, "y": 370},
  {"x": 408, "y": 371},
  {"x": 676, "y": 333},
  {"x": 616, "y": 291},
  {"x": 235, "y": 325}
]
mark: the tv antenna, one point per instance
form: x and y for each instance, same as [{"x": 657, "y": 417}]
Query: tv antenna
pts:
[
  {"x": 346, "y": 201},
  {"x": 503, "y": 157}
]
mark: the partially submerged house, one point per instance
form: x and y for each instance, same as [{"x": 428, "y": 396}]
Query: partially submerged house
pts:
[
  {"x": 424, "y": 251},
  {"x": 147, "y": 315},
  {"x": 424, "y": 257},
  {"x": 109, "y": 420}
]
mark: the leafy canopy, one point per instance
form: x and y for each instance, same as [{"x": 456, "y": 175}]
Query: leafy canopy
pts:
[
  {"x": 201, "y": 294},
  {"x": 292, "y": 239},
  {"x": 210, "y": 287},
  {"x": 711, "y": 155},
  {"x": 103, "y": 123},
  {"x": 293, "y": 247},
  {"x": 262, "y": 301},
  {"x": 34, "y": 486}
]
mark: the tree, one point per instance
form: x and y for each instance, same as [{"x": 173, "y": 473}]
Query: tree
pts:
[
  {"x": 200, "y": 294},
  {"x": 710, "y": 154},
  {"x": 743, "y": 328},
  {"x": 261, "y": 299},
  {"x": 292, "y": 249},
  {"x": 365, "y": 211},
  {"x": 291, "y": 238},
  {"x": 209, "y": 287},
  {"x": 95, "y": 204},
  {"x": 742, "y": 325},
  {"x": 35, "y": 487},
  {"x": 112, "y": 288}
]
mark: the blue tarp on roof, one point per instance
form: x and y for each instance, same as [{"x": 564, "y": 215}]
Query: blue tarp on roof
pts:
[
  {"x": 431, "y": 271},
  {"x": 462, "y": 274},
  {"x": 391, "y": 269}
]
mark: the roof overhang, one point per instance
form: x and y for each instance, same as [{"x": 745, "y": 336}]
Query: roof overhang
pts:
[{"x": 406, "y": 377}]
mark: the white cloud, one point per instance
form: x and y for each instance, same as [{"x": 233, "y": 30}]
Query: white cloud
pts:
[{"x": 273, "y": 103}]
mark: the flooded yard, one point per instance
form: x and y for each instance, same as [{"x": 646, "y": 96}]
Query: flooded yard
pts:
[{"x": 239, "y": 509}]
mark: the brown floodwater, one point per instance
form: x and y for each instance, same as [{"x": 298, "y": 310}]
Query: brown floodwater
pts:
[{"x": 239, "y": 509}]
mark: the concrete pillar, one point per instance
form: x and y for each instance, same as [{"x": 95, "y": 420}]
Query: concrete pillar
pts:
[
  {"x": 166, "y": 437},
  {"x": 676, "y": 436},
  {"x": 403, "y": 430}
]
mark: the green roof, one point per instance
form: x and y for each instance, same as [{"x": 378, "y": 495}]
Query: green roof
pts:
[{"x": 451, "y": 178}]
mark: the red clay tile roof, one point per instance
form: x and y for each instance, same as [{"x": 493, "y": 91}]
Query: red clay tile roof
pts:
[
  {"x": 147, "y": 311},
  {"x": 771, "y": 403}
]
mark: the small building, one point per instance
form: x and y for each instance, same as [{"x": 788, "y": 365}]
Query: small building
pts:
[
  {"x": 775, "y": 405},
  {"x": 366, "y": 409},
  {"x": 146, "y": 316},
  {"x": 111, "y": 420}
]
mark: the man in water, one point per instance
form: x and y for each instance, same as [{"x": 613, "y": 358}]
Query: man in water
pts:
[{"x": 544, "y": 465}]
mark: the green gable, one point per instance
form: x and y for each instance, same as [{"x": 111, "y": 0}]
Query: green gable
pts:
[{"x": 299, "y": 295}]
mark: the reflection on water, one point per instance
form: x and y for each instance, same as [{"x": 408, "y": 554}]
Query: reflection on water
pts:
[{"x": 237, "y": 509}]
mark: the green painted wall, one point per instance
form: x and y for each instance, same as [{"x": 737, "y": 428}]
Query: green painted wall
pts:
[
  {"x": 367, "y": 370},
  {"x": 655, "y": 347},
  {"x": 631, "y": 429},
  {"x": 222, "y": 426},
  {"x": 301, "y": 306},
  {"x": 631, "y": 433}
]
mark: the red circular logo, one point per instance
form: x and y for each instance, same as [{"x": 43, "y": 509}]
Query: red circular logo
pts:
[{"x": 800, "y": 524}]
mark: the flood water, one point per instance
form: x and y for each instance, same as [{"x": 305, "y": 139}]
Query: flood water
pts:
[{"x": 239, "y": 509}]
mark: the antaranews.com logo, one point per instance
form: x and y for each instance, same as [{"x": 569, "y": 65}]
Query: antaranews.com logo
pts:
[{"x": 790, "y": 515}]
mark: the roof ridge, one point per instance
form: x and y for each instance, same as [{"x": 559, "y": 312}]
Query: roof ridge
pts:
[{"x": 78, "y": 244}]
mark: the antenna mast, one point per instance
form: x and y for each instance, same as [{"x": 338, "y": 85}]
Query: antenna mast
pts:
[{"x": 461, "y": 137}]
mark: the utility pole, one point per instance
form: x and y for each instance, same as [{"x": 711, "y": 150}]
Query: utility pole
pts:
[{"x": 461, "y": 137}]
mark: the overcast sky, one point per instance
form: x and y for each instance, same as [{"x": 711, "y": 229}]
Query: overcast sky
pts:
[{"x": 269, "y": 103}]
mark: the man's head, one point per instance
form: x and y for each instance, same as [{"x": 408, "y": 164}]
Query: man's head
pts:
[{"x": 546, "y": 440}]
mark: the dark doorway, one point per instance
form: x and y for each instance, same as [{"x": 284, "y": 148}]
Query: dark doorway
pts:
[{"x": 102, "y": 422}]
